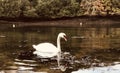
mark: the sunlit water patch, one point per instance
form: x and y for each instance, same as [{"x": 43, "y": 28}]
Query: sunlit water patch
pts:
[
  {"x": 108, "y": 69},
  {"x": 19, "y": 71},
  {"x": 22, "y": 65}
]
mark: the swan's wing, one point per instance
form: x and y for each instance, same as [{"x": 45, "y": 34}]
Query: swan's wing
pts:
[{"x": 47, "y": 47}]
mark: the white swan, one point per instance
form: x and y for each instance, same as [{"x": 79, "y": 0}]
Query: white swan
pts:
[{"x": 48, "y": 50}]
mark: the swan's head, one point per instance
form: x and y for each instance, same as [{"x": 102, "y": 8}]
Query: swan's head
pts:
[{"x": 62, "y": 35}]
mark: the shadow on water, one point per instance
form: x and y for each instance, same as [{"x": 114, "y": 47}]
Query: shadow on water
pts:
[{"x": 85, "y": 48}]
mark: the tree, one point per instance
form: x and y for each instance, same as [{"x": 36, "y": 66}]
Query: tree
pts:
[
  {"x": 27, "y": 9},
  {"x": 58, "y": 8},
  {"x": 92, "y": 7},
  {"x": 70, "y": 9},
  {"x": 10, "y": 8}
]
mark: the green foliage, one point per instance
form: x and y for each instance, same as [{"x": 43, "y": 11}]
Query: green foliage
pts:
[
  {"x": 48, "y": 8},
  {"x": 10, "y": 8},
  {"x": 116, "y": 6},
  {"x": 27, "y": 10},
  {"x": 71, "y": 9},
  {"x": 58, "y": 8},
  {"x": 112, "y": 7}
]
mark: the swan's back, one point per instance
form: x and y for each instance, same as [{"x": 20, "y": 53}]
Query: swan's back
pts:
[{"x": 46, "y": 47}]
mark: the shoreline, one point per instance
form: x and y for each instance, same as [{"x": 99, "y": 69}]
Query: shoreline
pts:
[{"x": 83, "y": 21}]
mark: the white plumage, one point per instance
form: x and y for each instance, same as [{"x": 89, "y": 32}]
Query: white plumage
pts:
[{"x": 48, "y": 50}]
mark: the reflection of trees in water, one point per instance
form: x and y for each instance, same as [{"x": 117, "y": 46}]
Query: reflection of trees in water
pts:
[
  {"x": 96, "y": 37},
  {"x": 84, "y": 37}
]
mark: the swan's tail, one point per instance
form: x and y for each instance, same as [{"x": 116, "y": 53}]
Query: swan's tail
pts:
[
  {"x": 34, "y": 46},
  {"x": 35, "y": 52}
]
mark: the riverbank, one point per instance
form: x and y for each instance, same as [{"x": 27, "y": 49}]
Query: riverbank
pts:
[{"x": 84, "y": 21}]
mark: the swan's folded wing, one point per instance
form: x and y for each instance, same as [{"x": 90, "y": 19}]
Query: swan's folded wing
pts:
[
  {"x": 46, "y": 47},
  {"x": 45, "y": 54}
]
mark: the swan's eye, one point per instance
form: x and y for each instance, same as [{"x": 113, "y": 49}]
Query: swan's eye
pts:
[{"x": 64, "y": 36}]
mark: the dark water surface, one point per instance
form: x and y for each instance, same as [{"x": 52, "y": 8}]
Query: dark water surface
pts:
[{"x": 90, "y": 47}]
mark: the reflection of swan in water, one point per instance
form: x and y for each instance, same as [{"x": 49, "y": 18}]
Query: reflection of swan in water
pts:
[{"x": 48, "y": 50}]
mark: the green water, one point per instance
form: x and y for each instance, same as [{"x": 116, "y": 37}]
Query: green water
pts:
[{"x": 81, "y": 41}]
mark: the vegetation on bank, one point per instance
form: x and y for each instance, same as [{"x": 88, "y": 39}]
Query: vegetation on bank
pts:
[{"x": 58, "y": 8}]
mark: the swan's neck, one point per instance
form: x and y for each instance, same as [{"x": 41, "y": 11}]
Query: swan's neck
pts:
[{"x": 58, "y": 43}]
